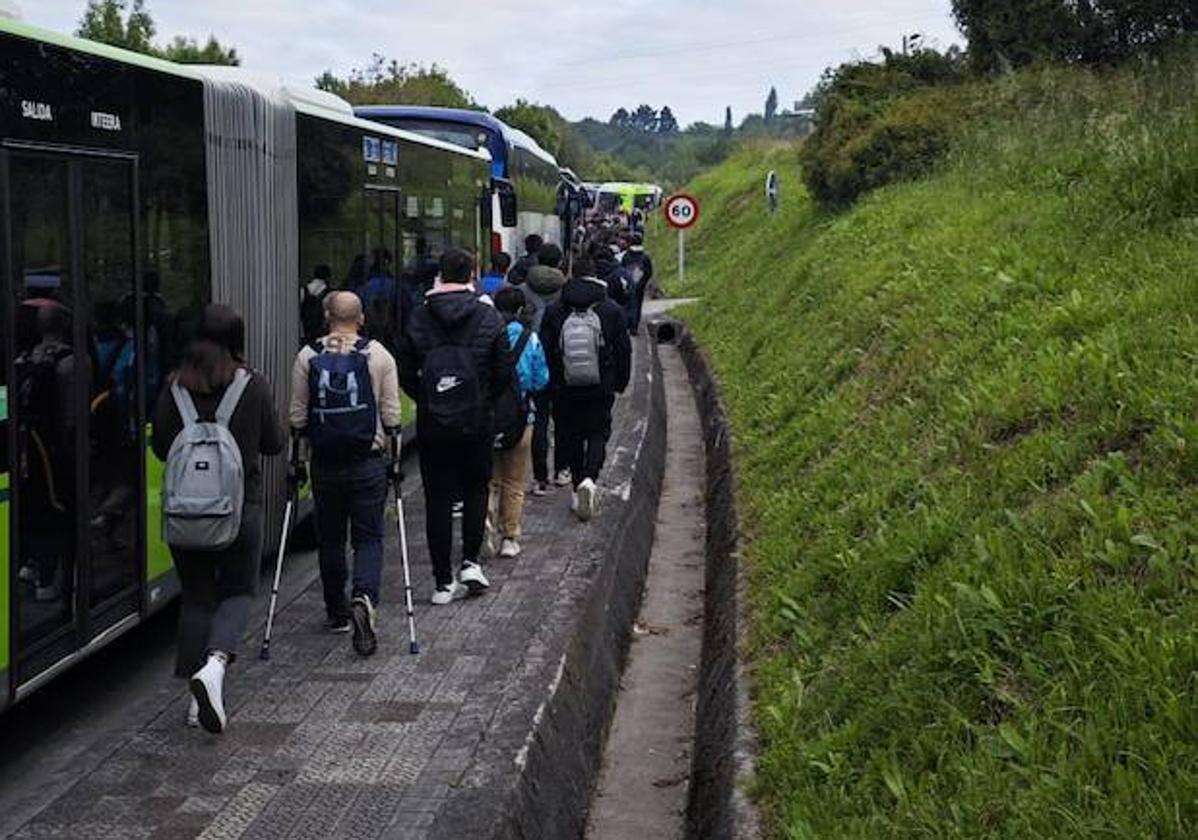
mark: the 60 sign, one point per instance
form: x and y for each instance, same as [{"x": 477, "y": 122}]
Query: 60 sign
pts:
[{"x": 681, "y": 211}]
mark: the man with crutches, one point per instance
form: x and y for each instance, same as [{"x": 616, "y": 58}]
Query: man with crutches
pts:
[{"x": 345, "y": 400}]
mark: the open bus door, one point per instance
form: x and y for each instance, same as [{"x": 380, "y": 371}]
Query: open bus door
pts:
[{"x": 72, "y": 367}]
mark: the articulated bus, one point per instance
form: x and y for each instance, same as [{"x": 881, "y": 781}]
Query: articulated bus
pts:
[
  {"x": 527, "y": 195},
  {"x": 132, "y": 192}
]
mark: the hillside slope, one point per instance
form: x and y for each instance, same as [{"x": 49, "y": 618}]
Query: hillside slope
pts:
[{"x": 966, "y": 419}]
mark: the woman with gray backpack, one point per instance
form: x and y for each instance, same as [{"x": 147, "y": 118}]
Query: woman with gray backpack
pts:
[{"x": 210, "y": 427}]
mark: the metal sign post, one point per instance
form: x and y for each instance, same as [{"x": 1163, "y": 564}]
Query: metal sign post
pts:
[
  {"x": 681, "y": 254},
  {"x": 681, "y": 211}
]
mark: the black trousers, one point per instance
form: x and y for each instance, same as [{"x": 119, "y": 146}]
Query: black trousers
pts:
[
  {"x": 584, "y": 423},
  {"x": 540, "y": 439},
  {"x": 218, "y": 591},
  {"x": 452, "y": 470}
]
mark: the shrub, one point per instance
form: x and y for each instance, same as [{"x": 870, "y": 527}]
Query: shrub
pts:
[{"x": 879, "y": 123}]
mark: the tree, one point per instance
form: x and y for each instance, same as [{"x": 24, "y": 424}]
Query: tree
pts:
[
  {"x": 106, "y": 21},
  {"x": 619, "y": 118},
  {"x": 540, "y": 122},
  {"x": 387, "y": 82},
  {"x": 666, "y": 121},
  {"x": 728, "y": 120},
  {"x": 1012, "y": 33},
  {"x": 771, "y": 104},
  {"x": 644, "y": 118},
  {"x": 188, "y": 51}
]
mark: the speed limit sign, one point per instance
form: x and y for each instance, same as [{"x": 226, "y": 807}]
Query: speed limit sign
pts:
[{"x": 681, "y": 211}]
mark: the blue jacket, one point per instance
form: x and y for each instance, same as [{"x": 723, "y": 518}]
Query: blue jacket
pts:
[{"x": 532, "y": 369}]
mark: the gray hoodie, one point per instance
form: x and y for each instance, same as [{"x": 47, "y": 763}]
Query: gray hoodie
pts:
[{"x": 542, "y": 288}]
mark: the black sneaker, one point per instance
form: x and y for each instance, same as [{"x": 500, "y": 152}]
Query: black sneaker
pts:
[
  {"x": 362, "y": 616},
  {"x": 336, "y": 625}
]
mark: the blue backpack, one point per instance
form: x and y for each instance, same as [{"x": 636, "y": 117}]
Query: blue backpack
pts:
[{"x": 342, "y": 413}]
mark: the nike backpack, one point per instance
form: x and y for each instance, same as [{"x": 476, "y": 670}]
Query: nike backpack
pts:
[
  {"x": 452, "y": 402},
  {"x": 511, "y": 409},
  {"x": 342, "y": 414},
  {"x": 203, "y": 488},
  {"x": 581, "y": 345}
]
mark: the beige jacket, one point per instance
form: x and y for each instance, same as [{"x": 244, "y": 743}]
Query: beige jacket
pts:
[{"x": 384, "y": 380}]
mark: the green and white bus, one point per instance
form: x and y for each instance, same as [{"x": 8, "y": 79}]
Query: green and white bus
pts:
[{"x": 134, "y": 191}]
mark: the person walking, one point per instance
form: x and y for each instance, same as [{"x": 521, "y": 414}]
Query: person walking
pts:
[
  {"x": 454, "y": 362},
  {"x": 608, "y": 269},
  {"x": 312, "y": 295},
  {"x": 543, "y": 288},
  {"x": 345, "y": 399},
  {"x": 214, "y": 385},
  {"x": 585, "y": 336},
  {"x": 513, "y": 438},
  {"x": 639, "y": 267},
  {"x": 519, "y": 272},
  {"x": 493, "y": 280}
]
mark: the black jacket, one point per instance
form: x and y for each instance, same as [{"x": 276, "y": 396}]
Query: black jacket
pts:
[
  {"x": 612, "y": 273},
  {"x": 632, "y": 258},
  {"x": 615, "y": 362},
  {"x": 519, "y": 271},
  {"x": 455, "y": 313}
]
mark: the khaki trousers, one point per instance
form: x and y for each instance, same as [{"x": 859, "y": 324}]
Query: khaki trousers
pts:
[{"x": 509, "y": 474}]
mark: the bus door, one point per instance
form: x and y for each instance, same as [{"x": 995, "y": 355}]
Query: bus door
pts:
[{"x": 73, "y": 367}]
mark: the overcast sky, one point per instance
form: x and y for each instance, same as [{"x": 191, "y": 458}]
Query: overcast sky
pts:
[{"x": 584, "y": 58}]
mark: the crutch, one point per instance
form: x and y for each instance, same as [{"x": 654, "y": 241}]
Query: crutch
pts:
[
  {"x": 397, "y": 481},
  {"x": 292, "y": 493}
]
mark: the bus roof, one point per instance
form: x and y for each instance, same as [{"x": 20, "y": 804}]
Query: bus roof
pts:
[
  {"x": 36, "y": 33},
  {"x": 319, "y": 103},
  {"x": 463, "y": 116}
]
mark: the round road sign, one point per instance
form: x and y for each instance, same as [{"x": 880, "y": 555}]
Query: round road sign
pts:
[{"x": 681, "y": 210}]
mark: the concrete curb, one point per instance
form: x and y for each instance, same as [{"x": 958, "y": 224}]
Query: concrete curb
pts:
[
  {"x": 566, "y": 755},
  {"x": 725, "y": 744},
  {"x": 549, "y": 742}
]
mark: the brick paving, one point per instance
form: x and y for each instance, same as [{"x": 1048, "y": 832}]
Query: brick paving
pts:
[{"x": 324, "y": 744}]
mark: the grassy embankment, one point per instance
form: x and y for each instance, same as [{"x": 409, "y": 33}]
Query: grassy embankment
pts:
[{"x": 966, "y": 431}]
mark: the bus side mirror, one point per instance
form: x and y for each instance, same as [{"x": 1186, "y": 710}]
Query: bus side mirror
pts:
[{"x": 507, "y": 203}]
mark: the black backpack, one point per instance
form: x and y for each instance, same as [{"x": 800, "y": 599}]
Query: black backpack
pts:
[
  {"x": 37, "y": 392},
  {"x": 452, "y": 403},
  {"x": 511, "y": 409}
]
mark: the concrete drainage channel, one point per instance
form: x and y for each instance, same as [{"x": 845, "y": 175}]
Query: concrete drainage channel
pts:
[
  {"x": 680, "y": 750},
  {"x": 643, "y": 785}
]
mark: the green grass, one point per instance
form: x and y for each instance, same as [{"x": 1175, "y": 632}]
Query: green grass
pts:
[{"x": 966, "y": 433}]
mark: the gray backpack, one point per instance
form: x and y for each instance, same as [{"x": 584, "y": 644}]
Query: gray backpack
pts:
[
  {"x": 582, "y": 342},
  {"x": 203, "y": 489}
]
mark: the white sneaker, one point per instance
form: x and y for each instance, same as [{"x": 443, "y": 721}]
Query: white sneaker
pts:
[
  {"x": 206, "y": 687},
  {"x": 193, "y": 713},
  {"x": 457, "y": 508},
  {"x": 586, "y": 499},
  {"x": 443, "y": 595},
  {"x": 362, "y": 617},
  {"x": 540, "y": 488},
  {"x": 574, "y": 502},
  {"x": 474, "y": 579},
  {"x": 510, "y": 548},
  {"x": 48, "y": 591},
  {"x": 562, "y": 478}
]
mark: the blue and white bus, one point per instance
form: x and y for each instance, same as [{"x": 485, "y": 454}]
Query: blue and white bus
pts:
[{"x": 526, "y": 178}]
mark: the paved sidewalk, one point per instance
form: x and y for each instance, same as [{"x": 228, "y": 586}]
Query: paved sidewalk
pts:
[{"x": 322, "y": 743}]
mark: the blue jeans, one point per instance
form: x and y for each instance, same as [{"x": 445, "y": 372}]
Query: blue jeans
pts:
[{"x": 352, "y": 495}]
